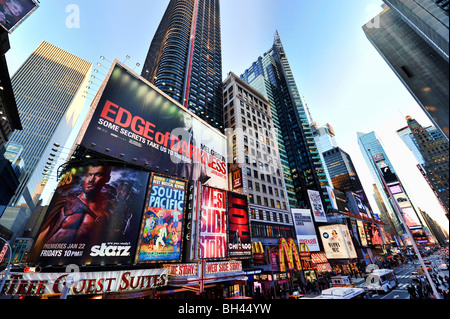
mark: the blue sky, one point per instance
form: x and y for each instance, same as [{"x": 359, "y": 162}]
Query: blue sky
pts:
[{"x": 344, "y": 81}]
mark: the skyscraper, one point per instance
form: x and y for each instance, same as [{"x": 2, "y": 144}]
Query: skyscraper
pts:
[
  {"x": 374, "y": 154},
  {"x": 302, "y": 167},
  {"x": 185, "y": 58},
  {"x": 48, "y": 89},
  {"x": 434, "y": 151},
  {"x": 325, "y": 141},
  {"x": 413, "y": 38}
]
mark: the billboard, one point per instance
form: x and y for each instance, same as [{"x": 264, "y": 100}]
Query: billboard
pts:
[
  {"x": 213, "y": 224},
  {"x": 14, "y": 12},
  {"x": 411, "y": 218},
  {"x": 163, "y": 222},
  {"x": 239, "y": 231},
  {"x": 362, "y": 233},
  {"x": 337, "y": 242},
  {"x": 135, "y": 122},
  {"x": 93, "y": 217},
  {"x": 316, "y": 206},
  {"x": 304, "y": 228},
  {"x": 337, "y": 200}
]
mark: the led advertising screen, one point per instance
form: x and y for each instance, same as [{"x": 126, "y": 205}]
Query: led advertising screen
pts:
[
  {"x": 213, "y": 224},
  {"x": 14, "y": 12},
  {"x": 411, "y": 218},
  {"x": 239, "y": 231},
  {"x": 375, "y": 234},
  {"x": 362, "y": 233},
  {"x": 337, "y": 242},
  {"x": 135, "y": 122},
  {"x": 316, "y": 206},
  {"x": 304, "y": 228},
  {"x": 93, "y": 217},
  {"x": 161, "y": 233},
  {"x": 395, "y": 189}
]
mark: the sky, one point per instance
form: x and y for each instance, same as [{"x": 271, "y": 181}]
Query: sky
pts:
[{"x": 339, "y": 74}]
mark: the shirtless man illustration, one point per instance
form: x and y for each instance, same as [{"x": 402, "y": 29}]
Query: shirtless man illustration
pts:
[{"x": 80, "y": 219}]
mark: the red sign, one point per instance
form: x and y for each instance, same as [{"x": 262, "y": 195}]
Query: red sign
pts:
[
  {"x": 213, "y": 224},
  {"x": 226, "y": 266},
  {"x": 237, "y": 179},
  {"x": 239, "y": 239}
]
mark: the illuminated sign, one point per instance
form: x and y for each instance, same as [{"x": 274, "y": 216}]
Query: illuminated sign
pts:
[
  {"x": 93, "y": 217},
  {"x": 237, "y": 179},
  {"x": 182, "y": 269},
  {"x": 316, "y": 206},
  {"x": 337, "y": 242},
  {"x": 304, "y": 228},
  {"x": 239, "y": 236},
  {"x": 162, "y": 224},
  {"x": 224, "y": 266},
  {"x": 288, "y": 250},
  {"x": 213, "y": 224},
  {"x": 135, "y": 122},
  {"x": 85, "y": 283}
]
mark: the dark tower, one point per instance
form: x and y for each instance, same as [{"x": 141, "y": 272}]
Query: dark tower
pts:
[{"x": 185, "y": 58}]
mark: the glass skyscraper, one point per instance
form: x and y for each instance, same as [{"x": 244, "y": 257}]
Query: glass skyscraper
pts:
[
  {"x": 413, "y": 39},
  {"x": 271, "y": 74},
  {"x": 48, "y": 89},
  {"x": 185, "y": 58},
  {"x": 373, "y": 152}
]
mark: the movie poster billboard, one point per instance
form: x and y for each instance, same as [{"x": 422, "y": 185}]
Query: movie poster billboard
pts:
[
  {"x": 239, "y": 231},
  {"x": 316, "y": 206},
  {"x": 135, "y": 122},
  {"x": 337, "y": 242},
  {"x": 161, "y": 233},
  {"x": 362, "y": 233},
  {"x": 213, "y": 224},
  {"x": 14, "y": 12},
  {"x": 93, "y": 218},
  {"x": 304, "y": 228}
]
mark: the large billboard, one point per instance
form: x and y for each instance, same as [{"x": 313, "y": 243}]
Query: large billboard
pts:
[
  {"x": 239, "y": 231},
  {"x": 304, "y": 228},
  {"x": 93, "y": 217},
  {"x": 135, "y": 122},
  {"x": 337, "y": 242},
  {"x": 316, "y": 206},
  {"x": 14, "y": 12},
  {"x": 213, "y": 224},
  {"x": 411, "y": 218},
  {"x": 161, "y": 233}
]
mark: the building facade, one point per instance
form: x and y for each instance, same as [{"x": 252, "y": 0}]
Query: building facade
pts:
[
  {"x": 185, "y": 58},
  {"x": 253, "y": 153},
  {"x": 373, "y": 152},
  {"x": 434, "y": 152},
  {"x": 273, "y": 77},
  {"x": 48, "y": 89},
  {"x": 413, "y": 38}
]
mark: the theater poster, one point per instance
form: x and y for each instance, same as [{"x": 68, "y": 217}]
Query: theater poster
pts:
[
  {"x": 93, "y": 217},
  {"x": 161, "y": 233},
  {"x": 239, "y": 233},
  {"x": 213, "y": 224}
]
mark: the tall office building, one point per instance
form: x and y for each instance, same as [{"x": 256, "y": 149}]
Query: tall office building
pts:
[
  {"x": 185, "y": 58},
  {"x": 434, "y": 152},
  {"x": 325, "y": 141},
  {"x": 48, "y": 89},
  {"x": 271, "y": 74},
  {"x": 255, "y": 168},
  {"x": 373, "y": 152},
  {"x": 413, "y": 38}
]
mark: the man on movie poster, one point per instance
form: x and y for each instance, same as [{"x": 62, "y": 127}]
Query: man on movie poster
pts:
[
  {"x": 93, "y": 217},
  {"x": 162, "y": 225}
]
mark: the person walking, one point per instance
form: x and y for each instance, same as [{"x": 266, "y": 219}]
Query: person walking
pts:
[{"x": 412, "y": 292}]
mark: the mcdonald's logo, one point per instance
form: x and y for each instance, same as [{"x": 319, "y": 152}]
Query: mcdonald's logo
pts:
[
  {"x": 257, "y": 248},
  {"x": 237, "y": 179},
  {"x": 288, "y": 250}
]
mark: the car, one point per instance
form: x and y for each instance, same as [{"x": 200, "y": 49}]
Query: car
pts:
[
  {"x": 295, "y": 295},
  {"x": 415, "y": 276},
  {"x": 426, "y": 261},
  {"x": 443, "y": 266}
]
